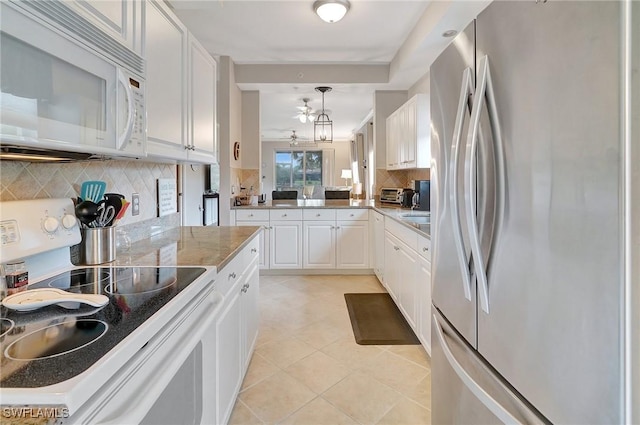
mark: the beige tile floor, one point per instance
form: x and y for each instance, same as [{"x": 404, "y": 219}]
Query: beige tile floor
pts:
[{"x": 308, "y": 370}]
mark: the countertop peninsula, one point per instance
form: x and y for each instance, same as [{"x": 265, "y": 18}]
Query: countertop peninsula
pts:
[
  {"x": 401, "y": 215},
  {"x": 211, "y": 246}
]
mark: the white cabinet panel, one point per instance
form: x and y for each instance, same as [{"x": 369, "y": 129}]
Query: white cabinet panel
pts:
[
  {"x": 408, "y": 143},
  {"x": 286, "y": 214},
  {"x": 377, "y": 226},
  {"x": 423, "y": 283},
  {"x": 319, "y": 244},
  {"x": 360, "y": 214},
  {"x": 352, "y": 244},
  {"x": 166, "y": 97},
  {"x": 252, "y": 215},
  {"x": 202, "y": 104},
  {"x": 286, "y": 244},
  {"x": 249, "y": 295}
]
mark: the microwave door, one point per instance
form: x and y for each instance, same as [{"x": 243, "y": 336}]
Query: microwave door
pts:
[{"x": 54, "y": 92}]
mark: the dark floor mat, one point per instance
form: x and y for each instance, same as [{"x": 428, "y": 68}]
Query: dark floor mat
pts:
[{"x": 376, "y": 320}]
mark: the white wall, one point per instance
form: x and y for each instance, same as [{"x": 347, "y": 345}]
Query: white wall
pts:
[
  {"x": 384, "y": 104},
  {"x": 250, "y": 145},
  {"x": 342, "y": 152}
]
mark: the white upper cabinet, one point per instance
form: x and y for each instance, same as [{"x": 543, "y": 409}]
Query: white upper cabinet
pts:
[
  {"x": 166, "y": 54},
  {"x": 408, "y": 135},
  {"x": 181, "y": 90},
  {"x": 120, "y": 19},
  {"x": 202, "y": 104}
]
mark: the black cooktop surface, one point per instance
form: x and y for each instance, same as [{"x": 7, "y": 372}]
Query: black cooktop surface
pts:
[{"x": 53, "y": 344}]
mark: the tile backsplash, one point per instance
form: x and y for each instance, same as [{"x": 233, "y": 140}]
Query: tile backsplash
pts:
[
  {"x": 399, "y": 178},
  {"x": 26, "y": 180}
]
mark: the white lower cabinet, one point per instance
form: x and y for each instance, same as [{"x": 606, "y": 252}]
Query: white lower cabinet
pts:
[
  {"x": 377, "y": 243},
  {"x": 407, "y": 277},
  {"x": 285, "y": 245},
  {"x": 236, "y": 328},
  {"x": 336, "y": 239}
]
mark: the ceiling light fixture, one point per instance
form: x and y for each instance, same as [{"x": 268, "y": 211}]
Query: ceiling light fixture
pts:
[
  {"x": 323, "y": 126},
  {"x": 331, "y": 10},
  {"x": 449, "y": 33}
]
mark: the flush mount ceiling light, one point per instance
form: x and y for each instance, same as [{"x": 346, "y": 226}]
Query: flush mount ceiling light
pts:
[
  {"x": 331, "y": 10},
  {"x": 449, "y": 33},
  {"x": 322, "y": 126}
]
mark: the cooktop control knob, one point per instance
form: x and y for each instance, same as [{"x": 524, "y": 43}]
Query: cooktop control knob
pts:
[
  {"x": 68, "y": 221},
  {"x": 50, "y": 224}
]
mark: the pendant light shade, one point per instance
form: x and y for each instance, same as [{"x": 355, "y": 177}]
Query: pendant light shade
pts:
[
  {"x": 323, "y": 126},
  {"x": 331, "y": 10}
]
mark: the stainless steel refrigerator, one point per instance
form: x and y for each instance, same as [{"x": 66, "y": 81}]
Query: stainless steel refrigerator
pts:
[{"x": 534, "y": 209}]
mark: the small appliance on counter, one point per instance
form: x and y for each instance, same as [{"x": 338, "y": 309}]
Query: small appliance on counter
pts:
[
  {"x": 391, "y": 195},
  {"x": 422, "y": 189},
  {"x": 407, "y": 198}
]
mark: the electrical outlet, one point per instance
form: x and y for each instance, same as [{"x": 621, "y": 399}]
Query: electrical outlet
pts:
[{"x": 135, "y": 204}]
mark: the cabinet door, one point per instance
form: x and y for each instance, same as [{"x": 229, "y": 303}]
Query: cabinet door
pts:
[
  {"x": 285, "y": 245},
  {"x": 228, "y": 355},
  {"x": 202, "y": 103},
  {"x": 378, "y": 245},
  {"x": 391, "y": 277},
  {"x": 319, "y": 244},
  {"x": 166, "y": 96},
  {"x": 392, "y": 142},
  {"x": 120, "y": 19},
  {"x": 250, "y": 313},
  {"x": 352, "y": 244},
  {"x": 423, "y": 282},
  {"x": 407, "y": 261},
  {"x": 410, "y": 135}
]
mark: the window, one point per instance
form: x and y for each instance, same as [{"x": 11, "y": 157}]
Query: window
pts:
[{"x": 298, "y": 168}]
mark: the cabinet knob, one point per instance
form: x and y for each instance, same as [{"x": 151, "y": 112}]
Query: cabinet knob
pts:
[
  {"x": 351, "y": 215},
  {"x": 337, "y": 227},
  {"x": 425, "y": 249},
  {"x": 318, "y": 215},
  {"x": 284, "y": 215},
  {"x": 250, "y": 215},
  {"x": 396, "y": 248},
  {"x": 254, "y": 250},
  {"x": 232, "y": 275}
]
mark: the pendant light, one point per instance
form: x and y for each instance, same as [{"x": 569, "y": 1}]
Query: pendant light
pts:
[{"x": 323, "y": 126}]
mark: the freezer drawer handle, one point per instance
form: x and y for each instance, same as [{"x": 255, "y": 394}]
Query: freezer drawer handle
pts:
[
  {"x": 484, "y": 397},
  {"x": 465, "y": 91}
]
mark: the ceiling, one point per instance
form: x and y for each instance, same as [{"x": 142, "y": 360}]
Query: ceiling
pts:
[{"x": 283, "y": 50}]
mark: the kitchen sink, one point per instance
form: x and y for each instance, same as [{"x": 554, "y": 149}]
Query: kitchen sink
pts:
[{"x": 416, "y": 218}]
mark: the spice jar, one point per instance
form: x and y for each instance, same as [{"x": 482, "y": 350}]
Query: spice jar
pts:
[{"x": 16, "y": 277}]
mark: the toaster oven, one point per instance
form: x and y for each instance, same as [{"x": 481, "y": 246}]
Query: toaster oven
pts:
[{"x": 391, "y": 195}]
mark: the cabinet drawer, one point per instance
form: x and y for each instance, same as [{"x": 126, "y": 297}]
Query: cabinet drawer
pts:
[
  {"x": 405, "y": 234},
  {"x": 229, "y": 275},
  {"x": 360, "y": 214},
  {"x": 319, "y": 214},
  {"x": 251, "y": 252},
  {"x": 252, "y": 215},
  {"x": 424, "y": 248},
  {"x": 286, "y": 215}
]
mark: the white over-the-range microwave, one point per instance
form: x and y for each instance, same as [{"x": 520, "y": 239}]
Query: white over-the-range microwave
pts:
[{"x": 65, "y": 85}]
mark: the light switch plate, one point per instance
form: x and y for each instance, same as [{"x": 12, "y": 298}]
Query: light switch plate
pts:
[{"x": 135, "y": 204}]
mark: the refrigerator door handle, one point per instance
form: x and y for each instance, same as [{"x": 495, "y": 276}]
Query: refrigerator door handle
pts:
[
  {"x": 484, "y": 87},
  {"x": 465, "y": 91},
  {"x": 491, "y": 403}
]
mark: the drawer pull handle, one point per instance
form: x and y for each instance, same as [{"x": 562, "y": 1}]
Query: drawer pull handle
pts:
[
  {"x": 396, "y": 248},
  {"x": 250, "y": 215},
  {"x": 350, "y": 215},
  {"x": 318, "y": 215},
  {"x": 425, "y": 249},
  {"x": 232, "y": 275},
  {"x": 254, "y": 250}
]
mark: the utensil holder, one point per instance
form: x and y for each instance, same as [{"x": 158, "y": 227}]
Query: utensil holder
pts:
[{"x": 98, "y": 245}]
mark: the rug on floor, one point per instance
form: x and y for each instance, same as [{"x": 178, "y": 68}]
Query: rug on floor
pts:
[{"x": 376, "y": 320}]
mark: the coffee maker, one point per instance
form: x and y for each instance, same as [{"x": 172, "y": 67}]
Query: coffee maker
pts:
[{"x": 422, "y": 189}]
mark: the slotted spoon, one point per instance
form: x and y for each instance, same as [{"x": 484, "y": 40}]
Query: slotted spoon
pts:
[{"x": 93, "y": 190}]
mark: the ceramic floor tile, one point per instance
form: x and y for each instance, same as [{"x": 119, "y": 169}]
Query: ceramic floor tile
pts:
[
  {"x": 318, "y": 371},
  {"x": 259, "y": 369},
  {"x": 406, "y": 412},
  {"x": 348, "y": 352},
  {"x": 320, "y": 334},
  {"x": 395, "y": 371},
  {"x": 363, "y": 398},
  {"x": 241, "y": 415},
  {"x": 270, "y": 333},
  {"x": 421, "y": 393},
  {"x": 318, "y": 412},
  {"x": 276, "y": 397},
  {"x": 285, "y": 352},
  {"x": 414, "y": 353}
]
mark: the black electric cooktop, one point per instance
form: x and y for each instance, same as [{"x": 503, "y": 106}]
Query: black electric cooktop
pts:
[{"x": 53, "y": 344}]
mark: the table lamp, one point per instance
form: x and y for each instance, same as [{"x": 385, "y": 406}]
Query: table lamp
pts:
[{"x": 346, "y": 174}]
